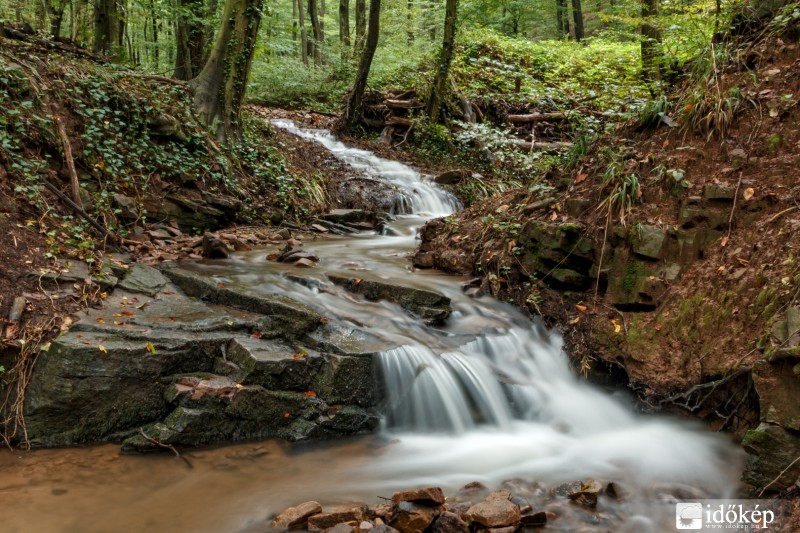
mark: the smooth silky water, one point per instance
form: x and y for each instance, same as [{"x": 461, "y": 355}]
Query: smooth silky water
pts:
[{"x": 487, "y": 397}]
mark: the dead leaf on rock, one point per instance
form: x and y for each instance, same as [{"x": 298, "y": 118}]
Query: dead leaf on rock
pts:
[{"x": 748, "y": 193}]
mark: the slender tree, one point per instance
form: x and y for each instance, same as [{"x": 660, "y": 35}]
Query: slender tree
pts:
[
  {"x": 356, "y": 99},
  {"x": 439, "y": 88},
  {"x": 316, "y": 28},
  {"x": 344, "y": 25},
  {"x": 361, "y": 24},
  {"x": 220, "y": 87},
  {"x": 652, "y": 56},
  {"x": 191, "y": 39},
  {"x": 303, "y": 40},
  {"x": 577, "y": 17},
  {"x": 106, "y": 26}
]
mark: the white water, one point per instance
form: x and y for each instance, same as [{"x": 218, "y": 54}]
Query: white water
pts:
[{"x": 505, "y": 404}]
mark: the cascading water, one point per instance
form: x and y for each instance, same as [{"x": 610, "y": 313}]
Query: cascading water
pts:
[{"x": 492, "y": 397}]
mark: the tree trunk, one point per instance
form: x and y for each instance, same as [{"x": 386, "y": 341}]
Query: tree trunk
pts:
[
  {"x": 577, "y": 16},
  {"x": 294, "y": 26},
  {"x": 344, "y": 27},
  {"x": 303, "y": 41},
  {"x": 356, "y": 99},
  {"x": 106, "y": 26},
  {"x": 361, "y": 24},
  {"x": 317, "y": 29},
  {"x": 652, "y": 59},
  {"x": 409, "y": 22},
  {"x": 219, "y": 89},
  {"x": 190, "y": 39},
  {"x": 55, "y": 8},
  {"x": 439, "y": 88}
]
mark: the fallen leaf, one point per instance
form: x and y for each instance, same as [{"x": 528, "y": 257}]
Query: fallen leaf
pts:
[
  {"x": 100, "y": 320},
  {"x": 580, "y": 177},
  {"x": 310, "y": 393},
  {"x": 286, "y": 414},
  {"x": 128, "y": 313},
  {"x": 748, "y": 193},
  {"x": 658, "y": 326},
  {"x": 324, "y": 320},
  {"x": 575, "y": 320},
  {"x": 102, "y": 349},
  {"x": 554, "y": 216},
  {"x": 580, "y": 307},
  {"x": 617, "y": 327},
  {"x": 256, "y": 335},
  {"x": 724, "y": 241},
  {"x": 150, "y": 348}
]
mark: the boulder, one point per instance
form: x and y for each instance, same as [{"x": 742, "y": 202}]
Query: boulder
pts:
[
  {"x": 327, "y": 520},
  {"x": 772, "y": 449},
  {"x": 424, "y": 304},
  {"x": 778, "y": 387},
  {"x": 409, "y": 517},
  {"x": 449, "y": 177},
  {"x": 143, "y": 279},
  {"x": 648, "y": 242},
  {"x": 427, "y": 496},
  {"x": 495, "y": 511},
  {"x": 296, "y": 516},
  {"x": 448, "y": 522}
]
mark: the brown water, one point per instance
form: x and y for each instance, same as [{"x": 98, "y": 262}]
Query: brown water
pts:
[{"x": 233, "y": 488}]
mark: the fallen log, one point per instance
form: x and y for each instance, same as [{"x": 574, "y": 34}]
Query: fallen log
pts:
[
  {"x": 540, "y": 146},
  {"x": 403, "y": 104},
  {"x": 536, "y": 117},
  {"x": 399, "y": 121}
]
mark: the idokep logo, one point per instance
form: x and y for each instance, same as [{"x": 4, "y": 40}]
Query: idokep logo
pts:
[{"x": 689, "y": 515}]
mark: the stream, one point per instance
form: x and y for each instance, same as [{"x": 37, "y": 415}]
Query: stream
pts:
[{"x": 489, "y": 396}]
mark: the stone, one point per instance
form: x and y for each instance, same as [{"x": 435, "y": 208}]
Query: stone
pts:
[
  {"x": 566, "y": 278},
  {"x": 495, "y": 511},
  {"x": 296, "y": 516},
  {"x": 143, "y": 280},
  {"x": 345, "y": 527},
  {"x": 326, "y": 520},
  {"x": 772, "y": 449},
  {"x": 507, "y": 529},
  {"x": 778, "y": 389},
  {"x": 408, "y": 517},
  {"x": 383, "y": 528},
  {"x": 428, "y": 496},
  {"x": 587, "y": 494},
  {"x": 304, "y": 263},
  {"x": 351, "y": 216},
  {"x": 718, "y": 192},
  {"x": 424, "y": 304},
  {"x": 737, "y": 153},
  {"x": 291, "y": 317},
  {"x": 648, "y": 242},
  {"x": 448, "y": 522},
  {"x": 534, "y": 520}
]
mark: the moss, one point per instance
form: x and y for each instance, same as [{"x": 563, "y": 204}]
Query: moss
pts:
[{"x": 634, "y": 269}]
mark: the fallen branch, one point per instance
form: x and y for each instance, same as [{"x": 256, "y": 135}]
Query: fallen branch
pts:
[
  {"x": 540, "y": 146},
  {"x": 83, "y": 214},
  {"x": 160, "y": 444},
  {"x": 778, "y": 476},
  {"x": 403, "y": 104},
  {"x": 73, "y": 174},
  {"x": 536, "y": 117}
]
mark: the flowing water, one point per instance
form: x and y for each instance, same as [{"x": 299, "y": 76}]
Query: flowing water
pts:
[{"x": 488, "y": 397}]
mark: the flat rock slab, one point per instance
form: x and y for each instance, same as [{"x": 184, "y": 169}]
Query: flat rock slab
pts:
[
  {"x": 495, "y": 511},
  {"x": 143, "y": 279},
  {"x": 296, "y": 516},
  {"x": 427, "y": 496},
  {"x": 422, "y": 303}
]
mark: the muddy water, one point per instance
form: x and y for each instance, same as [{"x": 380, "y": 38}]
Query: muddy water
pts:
[{"x": 487, "y": 397}]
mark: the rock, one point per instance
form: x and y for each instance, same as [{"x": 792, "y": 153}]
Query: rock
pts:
[
  {"x": 214, "y": 247},
  {"x": 568, "y": 279},
  {"x": 282, "y": 234},
  {"x": 351, "y": 216},
  {"x": 508, "y": 529},
  {"x": 341, "y": 528},
  {"x": 648, "y": 242},
  {"x": 365, "y": 526},
  {"x": 422, "y": 303},
  {"x": 718, "y": 192},
  {"x": 408, "y": 517},
  {"x": 737, "y": 153},
  {"x": 495, "y": 511},
  {"x": 297, "y": 516},
  {"x": 772, "y": 449},
  {"x": 424, "y": 260},
  {"x": 328, "y": 520},
  {"x": 305, "y": 263},
  {"x": 290, "y": 316},
  {"x": 427, "y": 496},
  {"x": 383, "y": 528},
  {"x": 143, "y": 280},
  {"x": 587, "y": 494},
  {"x": 127, "y": 206},
  {"x": 534, "y": 520},
  {"x": 448, "y": 522},
  {"x": 778, "y": 388},
  {"x": 450, "y": 177}
]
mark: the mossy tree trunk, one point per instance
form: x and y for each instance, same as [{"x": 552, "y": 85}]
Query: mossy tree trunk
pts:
[
  {"x": 361, "y": 24},
  {"x": 106, "y": 27},
  {"x": 220, "y": 87},
  {"x": 316, "y": 28},
  {"x": 652, "y": 55},
  {"x": 439, "y": 88},
  {"x": 356, "y": 99},
  {"x": 191, "y": 39}
]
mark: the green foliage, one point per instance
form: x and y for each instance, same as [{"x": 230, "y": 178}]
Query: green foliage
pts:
[{"x": 623, "y": 185}]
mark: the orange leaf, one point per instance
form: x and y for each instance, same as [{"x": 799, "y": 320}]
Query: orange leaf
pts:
[
  {"x": 256, "y": 335},
  {"x": 724, "y": 241},
  {"x": 128, "y": 313},
  {"x": 324, "y": 320},
  {"x": 580, "y": 307},
  {"x": 581, "y": 177},
  {"x": 310, "y": 393},
  {"x": 286, "y": 414}
]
